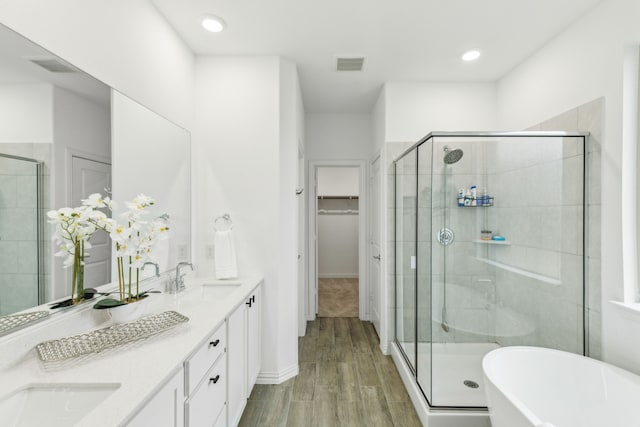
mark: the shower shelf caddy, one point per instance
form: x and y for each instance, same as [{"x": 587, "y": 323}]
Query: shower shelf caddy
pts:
[{"x": 485, "y": 205}]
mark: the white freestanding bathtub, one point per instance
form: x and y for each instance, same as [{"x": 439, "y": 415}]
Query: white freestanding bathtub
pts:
[{"x": 533, "y": 386}]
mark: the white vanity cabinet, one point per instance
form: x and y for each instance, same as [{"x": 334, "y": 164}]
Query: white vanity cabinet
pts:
[
  {"x": 205, "y": 381},
  {"x": 243, "y": 353},
  {"x": 166, "y": 408},
  {"x": 216, "y": 377}
]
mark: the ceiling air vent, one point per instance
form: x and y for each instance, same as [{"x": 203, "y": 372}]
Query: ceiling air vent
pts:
[
  {"x": 351, "y": 63},
  {"x": 53, "y": 65}
]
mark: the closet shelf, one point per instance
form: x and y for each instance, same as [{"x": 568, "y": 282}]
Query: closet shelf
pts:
[{"x": 338, "y": 211}]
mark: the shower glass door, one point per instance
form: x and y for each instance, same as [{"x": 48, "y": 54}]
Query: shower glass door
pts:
[
  {"x": 406, "y": 263},
  {"x": 424, "y": 270},
  {"x": 460, "y": 280}
]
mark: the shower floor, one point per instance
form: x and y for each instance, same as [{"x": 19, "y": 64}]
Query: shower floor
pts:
[{"x": 453, "y": 364}]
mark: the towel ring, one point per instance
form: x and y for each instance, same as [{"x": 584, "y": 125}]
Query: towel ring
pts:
[{"x": 227, "y": 221}]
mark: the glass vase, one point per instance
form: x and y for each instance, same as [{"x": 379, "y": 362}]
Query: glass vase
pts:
[{"x": 77, "y": 276}]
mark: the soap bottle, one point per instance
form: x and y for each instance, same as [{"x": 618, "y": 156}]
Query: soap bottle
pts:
[
  {"x": 474, "y": 195},
  {"x": 467, "y": 198},
  {"x": 484, "y": 197},
  {"x": 461, "y": 197}
]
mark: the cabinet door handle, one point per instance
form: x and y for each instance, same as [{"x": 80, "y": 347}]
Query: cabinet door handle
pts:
[
  {"x": 248, "y": 303},
  {"x": 214, "y": 343},
  {"x": 253, "y": 298},
  {"x": 214, "y": 379}
]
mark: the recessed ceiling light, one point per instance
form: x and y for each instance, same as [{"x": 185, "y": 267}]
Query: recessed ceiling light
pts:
[
  {"x": 213, "y": 23},
  {"x": 471, "y": 55}
]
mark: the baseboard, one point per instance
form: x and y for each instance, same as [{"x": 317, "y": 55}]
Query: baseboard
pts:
[
  {"x": 384, "y": 348},
  {"x": 338, "y": 276},
  {"x": 277, "y": 377}
]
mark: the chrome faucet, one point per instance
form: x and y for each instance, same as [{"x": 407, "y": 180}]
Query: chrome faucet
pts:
[
  {"x": 155, "y": 264},
  {"x": 179, "y": 282}
]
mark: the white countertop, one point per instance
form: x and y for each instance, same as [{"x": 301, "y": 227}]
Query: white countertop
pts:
[{"x": 140, "y": 369}]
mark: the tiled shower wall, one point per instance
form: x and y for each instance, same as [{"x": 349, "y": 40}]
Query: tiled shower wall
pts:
[
  {"x": 589, "y": 118},
  {"x": 18, "y": 226},
  {"x": 538, "y": 183}
]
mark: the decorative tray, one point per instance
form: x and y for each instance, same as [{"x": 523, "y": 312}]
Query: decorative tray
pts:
[
  {"x": 106, "y": 338},
  {"x": 16, "y": 321}
]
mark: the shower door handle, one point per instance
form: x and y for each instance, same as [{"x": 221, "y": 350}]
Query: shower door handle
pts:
[{"x": 378, "y": 257}]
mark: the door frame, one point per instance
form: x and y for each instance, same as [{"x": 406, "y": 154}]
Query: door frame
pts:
[
  {"x": 69, "y": 154},
  {"x": 376, "y": 184},
  {"x": 311, "y": 308}
]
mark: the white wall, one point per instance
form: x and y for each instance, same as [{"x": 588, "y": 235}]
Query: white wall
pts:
[
  {"x": 126, "y": 44},
  {"x": 243, "y": 147},
  {"x": 26, "y": 113},
  {"x": 338, "y": 136},
  {"x": 583, "y": 63},
  {"x": 338, "y": 181},
  {"x": 412, "y": 109},
  {"x": 379, "y": 123},
  {"x": 337, "y": 246}
]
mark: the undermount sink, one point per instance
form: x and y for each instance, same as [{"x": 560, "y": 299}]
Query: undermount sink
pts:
[
  {"x": 216, "y": 289},
  {"x": 52, "y": 405}
]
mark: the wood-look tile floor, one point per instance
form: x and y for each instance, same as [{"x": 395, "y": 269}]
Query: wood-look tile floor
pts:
[
  {"x": 344, "y": 380},
  {"x": 338, "y": 297}
]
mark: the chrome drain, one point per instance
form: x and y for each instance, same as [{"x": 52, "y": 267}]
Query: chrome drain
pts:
[
  {"x": 445, "y": 236},
  {"x": 471, "y": 384}
]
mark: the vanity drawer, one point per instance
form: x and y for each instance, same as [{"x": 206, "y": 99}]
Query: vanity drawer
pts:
[
  {"x": 204, "y": 358},
  {"x": 207, "y": 402}
]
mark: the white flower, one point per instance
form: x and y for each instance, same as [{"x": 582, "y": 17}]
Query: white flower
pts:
[
  {"x": 143, "y": 201},
  {"x": 96, "y": 200},
  {"x": 120, "y": 233}
]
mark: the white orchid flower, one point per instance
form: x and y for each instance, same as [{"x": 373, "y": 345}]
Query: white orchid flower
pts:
[
  {"x": 96, "y": 200},
  {"x": 120, "y": 233}
]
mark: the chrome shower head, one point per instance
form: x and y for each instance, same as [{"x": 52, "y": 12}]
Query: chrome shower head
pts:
[{"x": 451, "y": 156}]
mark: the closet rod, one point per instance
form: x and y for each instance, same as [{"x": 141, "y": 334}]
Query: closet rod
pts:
[{"x": 338, "y": 197}]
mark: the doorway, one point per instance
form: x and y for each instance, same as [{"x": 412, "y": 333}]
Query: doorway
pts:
[
  {"x": 90, "y": 176},
  {"x": 337, "y": 222},
  {"x": 337, "y": 243}
]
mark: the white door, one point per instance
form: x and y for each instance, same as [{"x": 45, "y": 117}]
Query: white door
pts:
[
  {"x": 88, "y": 177},
  {"x": 374, "y": 264}
]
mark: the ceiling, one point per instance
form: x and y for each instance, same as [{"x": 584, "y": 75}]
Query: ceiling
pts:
[{"x": 402, "y": 40}]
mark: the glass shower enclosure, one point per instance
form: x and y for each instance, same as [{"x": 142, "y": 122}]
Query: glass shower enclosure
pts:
[
  {"x": 489, "y": 247},
  {"x": 21, "y": 230}
]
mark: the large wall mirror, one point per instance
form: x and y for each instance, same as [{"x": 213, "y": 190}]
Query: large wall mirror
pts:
[{"x": 63, "y": 136}]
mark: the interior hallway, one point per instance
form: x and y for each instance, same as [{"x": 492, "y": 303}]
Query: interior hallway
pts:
[{"x": 344, "y": 380}]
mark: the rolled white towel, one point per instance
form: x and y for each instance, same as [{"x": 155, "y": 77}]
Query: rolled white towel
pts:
[{"x": 225, "y": 255}]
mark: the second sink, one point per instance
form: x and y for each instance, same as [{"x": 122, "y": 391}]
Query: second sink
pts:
[{"x": 52, "y": 405}]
